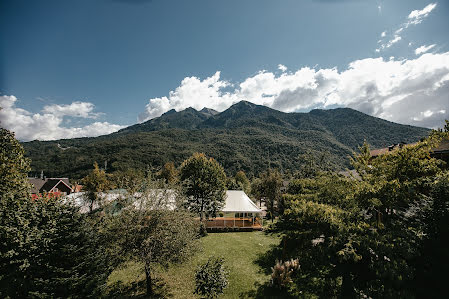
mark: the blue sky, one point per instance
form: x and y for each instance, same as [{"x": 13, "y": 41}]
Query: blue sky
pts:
[{"x": 84, "y": 68}]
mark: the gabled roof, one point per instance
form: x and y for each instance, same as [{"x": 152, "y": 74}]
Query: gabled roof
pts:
[
  {"x": 36, "y": 184},
  {"x": 238, "y": 202},
  {"x": 47, "y": 185}
]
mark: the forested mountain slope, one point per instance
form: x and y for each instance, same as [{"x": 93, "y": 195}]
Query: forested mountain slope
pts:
[{"x": 244, "y": 137}]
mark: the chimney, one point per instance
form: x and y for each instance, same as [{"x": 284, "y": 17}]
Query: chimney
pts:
[{"x": 42, "y": 174}]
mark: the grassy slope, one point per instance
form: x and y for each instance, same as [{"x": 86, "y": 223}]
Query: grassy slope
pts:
[{"x": 240, "y": 250}]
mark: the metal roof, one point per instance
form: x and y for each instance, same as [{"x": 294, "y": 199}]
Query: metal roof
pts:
[{"x": 238, "y": 202}]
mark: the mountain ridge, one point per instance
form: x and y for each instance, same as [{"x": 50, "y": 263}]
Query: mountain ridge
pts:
[{"x": 245, "y": 137}]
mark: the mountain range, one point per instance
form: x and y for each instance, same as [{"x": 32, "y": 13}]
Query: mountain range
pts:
[{"x": 244, "y": 137}]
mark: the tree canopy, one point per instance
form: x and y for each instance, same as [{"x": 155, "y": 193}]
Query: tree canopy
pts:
[
  {"x": 205, "y": 184},
  {"x": 47, "y": 249},
  {"x": 372, "y": 235}
]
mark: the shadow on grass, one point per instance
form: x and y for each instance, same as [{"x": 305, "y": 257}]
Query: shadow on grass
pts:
[
  {"x": 137, "y": 289},
  {"x": 268, "y": 259},
  {"x": 266, "y": 291}
]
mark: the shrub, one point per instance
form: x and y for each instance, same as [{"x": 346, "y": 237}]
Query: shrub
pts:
[
  {"x": 282, "y": 272},
  {"x": 211, "y": 278}
]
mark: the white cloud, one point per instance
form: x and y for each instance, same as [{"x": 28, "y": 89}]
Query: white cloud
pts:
[
  {"x": 393, "y": 41},
  {"x": 397, "y": 90},
  {"x": 282, "y": 67},
  {"x": 76, "y": 109},
  {"x": 423, "y": 49},
  {"x": 47, "y": 125},
  {"x": 194, "y": 93},
  {"x": 414, "y": 18}
]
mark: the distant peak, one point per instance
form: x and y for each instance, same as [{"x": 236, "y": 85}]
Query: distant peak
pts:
[
  {"x": 243, "y": 104},
  {"x": 208, "y": 111},
  {"x": 171, "y": 111}
]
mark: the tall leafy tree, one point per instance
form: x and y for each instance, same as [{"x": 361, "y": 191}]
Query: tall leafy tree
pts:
[
  {"x": 205, "y": 184},
  {"x": 148, "y": 232},
  {"x": 96, "y": 181},
  {"x": 268, "y": 188}
]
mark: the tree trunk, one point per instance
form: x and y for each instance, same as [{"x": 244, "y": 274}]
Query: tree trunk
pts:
[
  {"x": 148, "y": 280},
  {"x": 202, "y": 211}
]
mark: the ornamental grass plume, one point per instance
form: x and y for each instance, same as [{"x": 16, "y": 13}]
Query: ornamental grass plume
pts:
[{"x": 282, "y": 272}]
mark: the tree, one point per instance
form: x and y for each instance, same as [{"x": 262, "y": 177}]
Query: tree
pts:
[
  {"x": 211, "y": 278},
  {"x": 46, "y": 248},
  {"x": 130, "y": 179},
  {"x": 96, "y": 181},
  {"x": 153, "y": 235},
  {"x": 169, "y": 173},
  {"x": 242, "y": 181},
  {"x": 205, "y": 184},
  {"x": 361, "y": 237},
  {"x": 14, "y": 166},
  {"x": 268, "y": 188}
]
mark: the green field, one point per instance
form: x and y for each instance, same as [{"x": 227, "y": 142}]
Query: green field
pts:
[{"x": 241, "y": 251}]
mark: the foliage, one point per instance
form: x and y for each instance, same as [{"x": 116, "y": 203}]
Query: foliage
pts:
[
  {"x": 129, "y": 179},
  {"x": 147, "y": 231},
  {"x": 96, "y": 181},
  {"x": 242, "y": 181},
  {"x": 14, "y": 166},
  {"x": 204, "y": 180},
  {"x": 282, "y": 272},
  {"x": 238, "y": 182},
  {"x": 211, "y": 278},
  {"x": 245, "y": 137},
  {"x": 432, "y": 279},
  {"x": 362, "y": 236},
  {"x": 47, "y": 249},
  {"x": 268, "y": 188},
  {"x": 169, "y": 173}
]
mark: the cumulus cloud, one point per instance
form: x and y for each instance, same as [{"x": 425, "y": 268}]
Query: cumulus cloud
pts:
[
  {"x": 193, "y": 92},
  {"x": 397, "y": 90},
  {"x": 423, "y": 49},
  {"x": 414, "y": 18},
  {"x": 47, "y": 125}
]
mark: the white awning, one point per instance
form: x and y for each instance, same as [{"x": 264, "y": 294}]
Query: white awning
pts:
[{"x": 238, "y": 202}]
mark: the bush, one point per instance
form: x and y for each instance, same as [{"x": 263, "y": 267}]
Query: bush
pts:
[
  {"x": 282, "y": 272},
  {"x": 211, "y": 278}
]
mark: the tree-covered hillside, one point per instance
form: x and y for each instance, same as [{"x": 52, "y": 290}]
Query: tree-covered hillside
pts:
[{"x": 244, "y": 137}]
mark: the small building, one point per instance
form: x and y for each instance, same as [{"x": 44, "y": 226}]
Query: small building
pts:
[
  {"x": 60, "y": 186},
  {"x": 239, "y": 213}
]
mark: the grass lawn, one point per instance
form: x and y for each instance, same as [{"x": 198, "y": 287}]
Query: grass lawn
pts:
[{"x": 239, "y": 249}]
